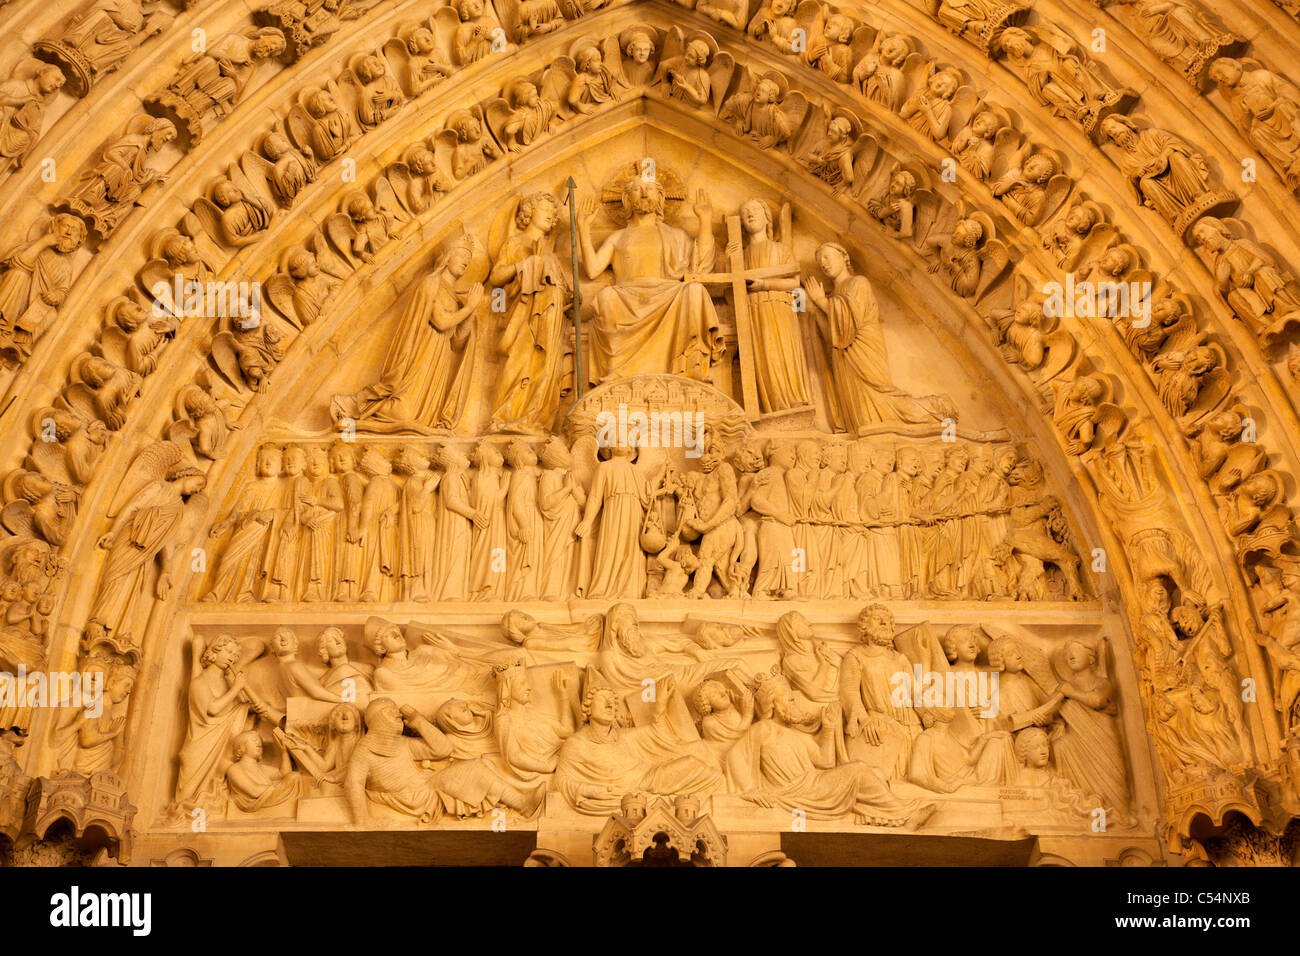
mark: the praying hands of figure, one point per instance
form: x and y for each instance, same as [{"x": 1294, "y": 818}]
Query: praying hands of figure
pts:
[{"x": 817, "y": 293}]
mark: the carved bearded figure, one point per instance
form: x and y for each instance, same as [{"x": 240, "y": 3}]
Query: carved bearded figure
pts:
[
  {"x": 383, "y": 770},
  {"x": 788, "y": 759},
  {"x": 141, "y": 545},
  {"x": 603, "y": 759},
  {"x": 1167, "y": 175},
  {"x": 651, "y": 319},
  {"x": 33, "y": 284},
  {"x": 877, "y": 731}
]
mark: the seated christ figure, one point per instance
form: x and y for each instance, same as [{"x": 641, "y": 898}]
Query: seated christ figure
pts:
[{"x": 651, "y": 320}]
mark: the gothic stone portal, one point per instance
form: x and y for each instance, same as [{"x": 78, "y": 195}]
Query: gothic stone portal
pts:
[{"x": 733, "y": 440}]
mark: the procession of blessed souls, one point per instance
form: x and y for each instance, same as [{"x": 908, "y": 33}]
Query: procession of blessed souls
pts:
[
  {"x": 656, "y": 482},
  {"x": 579, "y": 487}
]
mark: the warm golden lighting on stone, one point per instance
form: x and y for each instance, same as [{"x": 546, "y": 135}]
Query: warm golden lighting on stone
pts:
[{"x": 583, "y": 432}]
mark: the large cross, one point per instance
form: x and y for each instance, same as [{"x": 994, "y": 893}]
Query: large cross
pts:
[{"x": 736, "y": 278}]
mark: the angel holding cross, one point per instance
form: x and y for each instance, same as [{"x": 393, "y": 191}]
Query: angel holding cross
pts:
[{"x": 780, "y": 369}]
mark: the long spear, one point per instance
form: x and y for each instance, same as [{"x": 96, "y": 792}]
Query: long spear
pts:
[{"x": 577, "y": 292}]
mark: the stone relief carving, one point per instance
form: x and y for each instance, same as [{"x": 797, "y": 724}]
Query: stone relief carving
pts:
[
  {"x": 500, "y": 720},
  {"x": 969, "y": 254},
  {"x": 969, "y": 523},
  {"x": 764, "y": 109},
  {"x": 981, "y": 21},
  {"x": 864, "y": 394},
  {"x": 418, "y": 57},
  {"x": 23, "y": 99},
  {"x": 319, "y": 128},
  {"x": 929, "y": 110},
  {"x": 308, "y": 23},
  {"x": 98, "y": 38},
  {"x": 1166, "y": 173},
  {"x": 637, "y": 331},
  {"x": 1179, "y": 392},
  {"x": 693, "y": 70},
  {"x": 1180, "y": 34},
  {"x": 531, "y": 338},
  {"x": 1262, "y": 296},
  {"x": 210, "y": 84},
  {"x": 233, "y": 216},
  {"x": 107, "y": 191},
  {"x": 836, "y": 154},
  {"x": 158, "y": 503},
  {"x": 375, "y": 90},
  {"x": 35, "y": 280},
  {"x": 1265, "y": 107},
  {"x": 524, "y": 114},
  {"x": 1061, "y": 76},
  {"x": 426, "y": 375},
  {"x": 475, "y": 32},
  {"x": 640, "y": 835}
]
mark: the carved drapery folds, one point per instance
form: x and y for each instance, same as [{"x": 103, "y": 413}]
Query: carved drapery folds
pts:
[
  {"x": 523, "y": 718},
  {"x": 23, "y": 100},
  {"x": 209, "y": 84},
  {"x": 872, "y": 518},
  {"x": 98, "y": 38}
]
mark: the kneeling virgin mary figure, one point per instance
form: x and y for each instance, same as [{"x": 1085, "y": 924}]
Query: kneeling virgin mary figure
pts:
[{"x": 425, "y": 379}]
